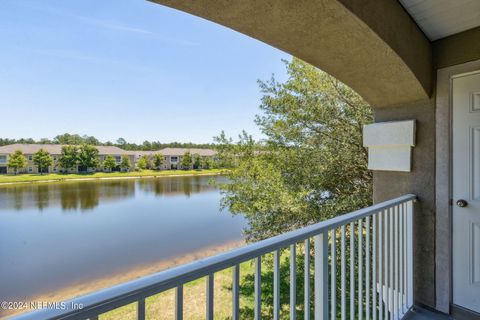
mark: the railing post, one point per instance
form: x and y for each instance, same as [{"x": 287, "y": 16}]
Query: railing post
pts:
[
  {"x": 352, "y": 270},
  {"x": 236, "y": 292},
  {"x": 306, "y": 286},
  {"x": 410, "y": 253},
  {"x": 210, "y": 296},
  {"x": 321, "y": 276},
  {"x": 141, "y": 309},
  {"x": 258, "y": 289},
  {"x": 276, "y": 285},
  {"x": 179, "y": 302},
  {"x": 333, "y": 276},
  {"x": 293, "y": 281}
]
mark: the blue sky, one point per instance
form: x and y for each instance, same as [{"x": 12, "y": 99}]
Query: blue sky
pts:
[{"x": 126, "y": 68}]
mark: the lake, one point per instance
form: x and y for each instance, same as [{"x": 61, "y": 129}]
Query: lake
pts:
[{"x": 55, "y": 235}]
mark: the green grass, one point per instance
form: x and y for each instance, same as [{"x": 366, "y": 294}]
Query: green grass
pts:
[
  {"x": 20, "y": 178},
  {"x": 161, "y": 306}
]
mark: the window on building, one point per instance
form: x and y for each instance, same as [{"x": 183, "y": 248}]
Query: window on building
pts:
[
  {"x": 3, "y": 159},
  {"x": 173, "y": 159},
  {"x": 118, "y": 159},
  {"x": 54, "y": 158},
  {"x": 30, "y": 157},
  {"x": 30, "y": 169}
]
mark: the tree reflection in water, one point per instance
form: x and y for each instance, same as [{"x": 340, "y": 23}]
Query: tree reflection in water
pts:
[{"x": 86, "y": 195}]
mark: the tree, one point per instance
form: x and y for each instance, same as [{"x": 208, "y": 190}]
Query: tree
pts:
[
  {"x": 142, "y": 163},
  {"x": 197, "y": 161},
  {"x": 87, "y": 156},
  {"x": 69, "y": 157},
  {"x": 125, "y": 164},
  {"x": 186, "y": 162},
  {"x": 68, "y": 138},
  {"x": 157, "y": 161},
  {"x": 17, "y": 161},
  {"x": 312, "y": 165},
  {"x": 42, "y": 160},
  {"x": 225, "y": 157},
  {"x": 109, "y": 163},
  {"x": 44, "y": 141},
  {"x": 90, "y": 140},
  {"x": 146, "y": 145},
  {"x": 121, "y": 141},
  {"x": 207, "y": 163}
]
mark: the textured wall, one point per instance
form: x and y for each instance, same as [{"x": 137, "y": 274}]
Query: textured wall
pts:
[
  {"x": 457, "y": 49},
  {"x": 421, "y": 181}
]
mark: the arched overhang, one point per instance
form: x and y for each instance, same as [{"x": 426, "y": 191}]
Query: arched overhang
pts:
[{"x": 371, "y": 45}]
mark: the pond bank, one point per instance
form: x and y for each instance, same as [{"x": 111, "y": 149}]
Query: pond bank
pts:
[{"x": 36, "y": 178}]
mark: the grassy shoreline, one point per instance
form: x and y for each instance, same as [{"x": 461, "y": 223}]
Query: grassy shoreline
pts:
[{"x": 54, "y": 177}]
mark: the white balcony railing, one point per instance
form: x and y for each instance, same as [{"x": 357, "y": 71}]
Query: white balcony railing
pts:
[{"x": 362, "y": 270}]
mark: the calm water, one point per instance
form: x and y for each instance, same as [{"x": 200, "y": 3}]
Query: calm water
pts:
[{"x": 53, "y": 235}]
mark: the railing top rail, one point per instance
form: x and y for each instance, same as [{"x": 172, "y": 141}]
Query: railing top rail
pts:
[{"x": 128, "y": 292}]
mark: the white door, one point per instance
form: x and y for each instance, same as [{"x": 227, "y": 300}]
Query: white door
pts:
[{"x": 466, "y": 191}]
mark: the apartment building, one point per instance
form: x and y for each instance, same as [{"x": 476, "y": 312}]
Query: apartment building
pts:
[{"x": 171, "y": 157}]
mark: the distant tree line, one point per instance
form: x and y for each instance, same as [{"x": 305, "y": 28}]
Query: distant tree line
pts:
[{"x": 76, "y": 139}]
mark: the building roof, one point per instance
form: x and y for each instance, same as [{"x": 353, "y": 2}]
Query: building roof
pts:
[
  {"x": 175, "y": 152},
  {"x": 104, "y": 150},
  {"x": 56, "y": 149},
  {"x": 182, "y": 151}
]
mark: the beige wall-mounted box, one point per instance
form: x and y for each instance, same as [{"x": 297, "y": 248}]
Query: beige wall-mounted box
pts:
[{"x": 390, "y": 145}]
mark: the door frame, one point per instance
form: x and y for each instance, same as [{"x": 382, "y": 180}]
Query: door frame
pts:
[{"x": 443, "y": 182}]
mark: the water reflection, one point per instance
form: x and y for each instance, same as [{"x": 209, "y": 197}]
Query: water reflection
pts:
[
  {"x": 176, "y": 186},
  {"x": 86, "y": 195},
  {"x": 46, "y": 245}
]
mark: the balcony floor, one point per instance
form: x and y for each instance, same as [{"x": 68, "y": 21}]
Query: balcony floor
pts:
[{"x": 423, "y": 314}]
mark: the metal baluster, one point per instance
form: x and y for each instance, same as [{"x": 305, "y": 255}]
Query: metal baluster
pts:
[
  {"x": 293, "y": 282},
  {"x": 343, "y": 280},
  {"x": 210, "y": 298},
  {"x": 258, "y": 288},
  {"x": 321, "y": 276},
  {"x": 405, "y": 261},
  {"x": 179, "y": 303},
  {"x": 360, "y": 269},
  {"x": 367, "y": 272},
  {"x": 380, "y": 265},
  {"x": 276, "y": 285},
  {"x": 395, "y": 292},
  {"x": 374, "y": 265},
  {"x": 400, "y": 272},
  {"x": 410, "y": 252},
  {"x": 236, "y": 293},
  {"x": 141, "y": 309},
  {"x": 352, "y": 271},
  {"x": 391, "y": 268},
  {"x": 306, "y": 285},
  {"x": 385, "y": 245},
  {"x": 333, "y": 277}
]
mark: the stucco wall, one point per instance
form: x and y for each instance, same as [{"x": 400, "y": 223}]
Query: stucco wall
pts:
[
  {"x": 457, "y": 49},
  {"x": 421, "y": 181}
]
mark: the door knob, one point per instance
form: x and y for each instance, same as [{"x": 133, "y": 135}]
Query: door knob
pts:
[{"x": 462, "y": 203}]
